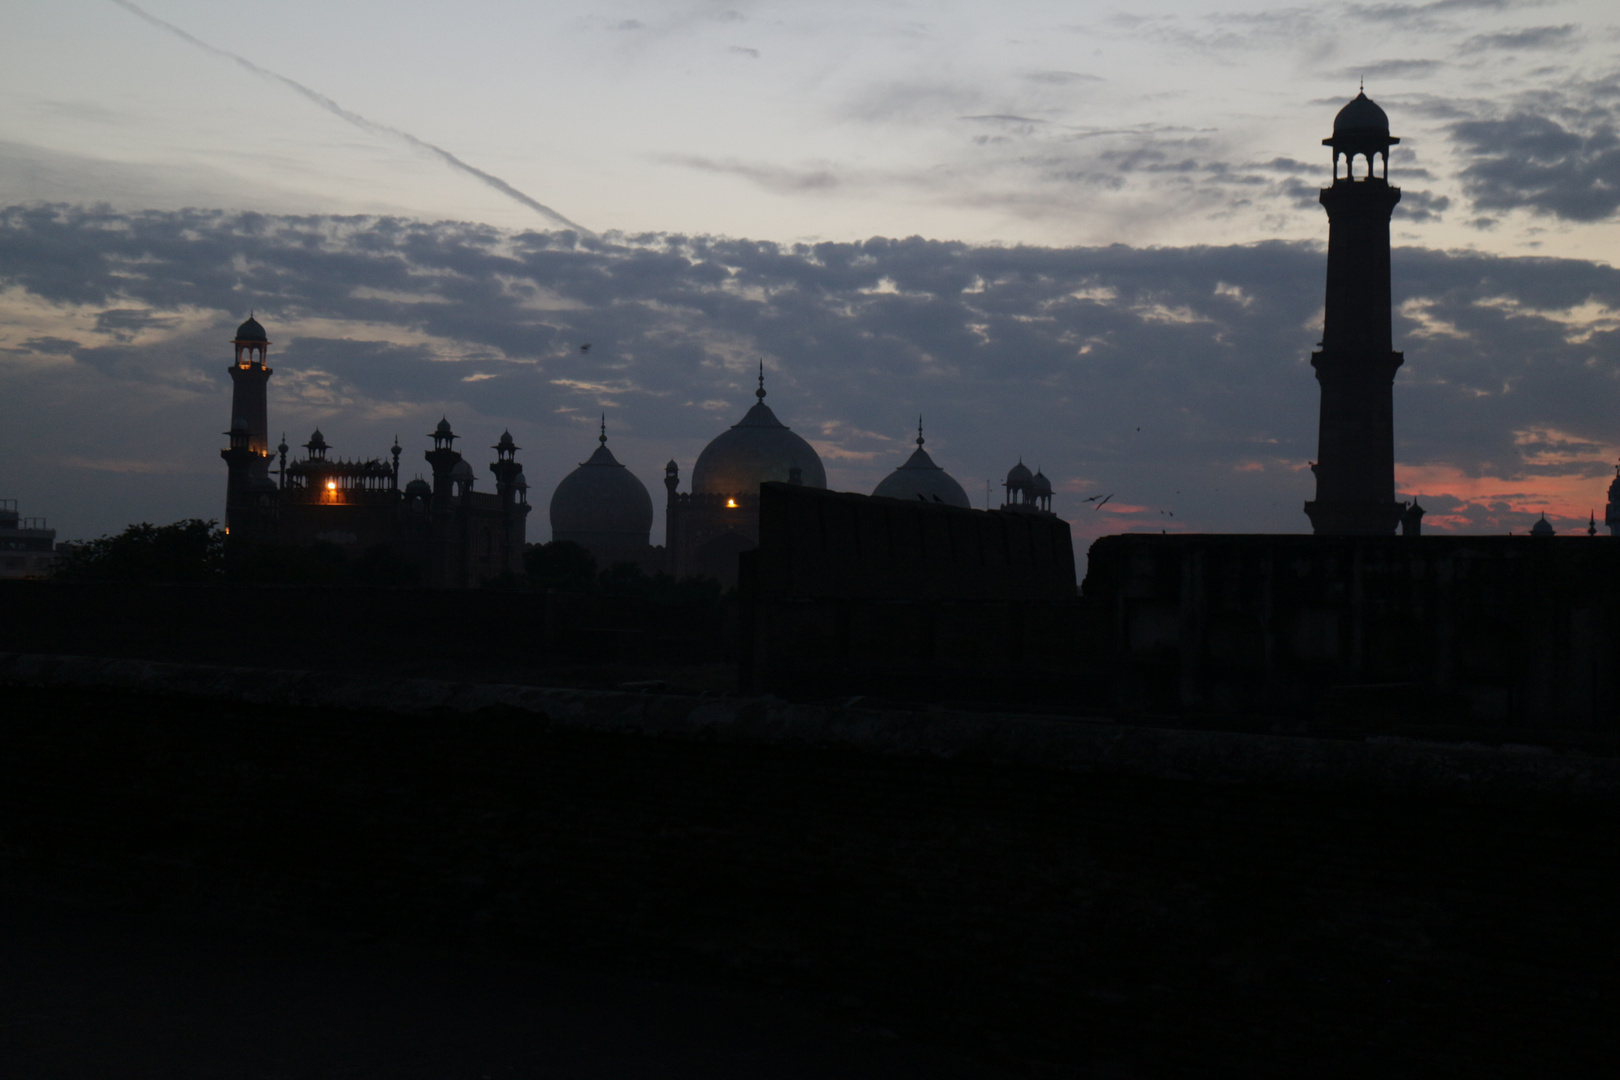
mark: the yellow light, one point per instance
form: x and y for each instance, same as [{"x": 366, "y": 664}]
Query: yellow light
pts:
[
  {"x": 731, "y": 503},
  {"x": 331, "y": 485}
]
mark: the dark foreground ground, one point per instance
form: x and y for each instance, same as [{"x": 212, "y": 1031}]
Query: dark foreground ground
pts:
[
  {"x": 195, "y": 886},
  {"x": 107, "y": 991}
]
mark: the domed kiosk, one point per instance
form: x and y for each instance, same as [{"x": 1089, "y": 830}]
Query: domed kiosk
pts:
[
  {"x": 920, "y": 478},
  {"x": 602, "y": 507},
  {"x": 1027, "y": 491},
  {"x": 709, "y": 527}
]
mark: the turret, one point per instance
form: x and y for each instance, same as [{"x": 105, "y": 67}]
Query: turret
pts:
[{"x": 248, "y": 457}]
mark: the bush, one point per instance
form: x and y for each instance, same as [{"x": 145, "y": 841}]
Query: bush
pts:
[
  {"x": 562, "y": 565},
  {"x": 188, "y": 552}
]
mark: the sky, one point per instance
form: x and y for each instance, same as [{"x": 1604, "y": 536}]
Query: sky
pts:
[{"x": 1084, "y": 235}]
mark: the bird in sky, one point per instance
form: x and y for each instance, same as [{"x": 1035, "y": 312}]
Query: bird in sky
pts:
[
  {"x": 1099, "y": 506},
  {"x": 585, "y": 347}
]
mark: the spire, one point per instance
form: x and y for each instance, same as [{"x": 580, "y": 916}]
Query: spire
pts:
[
  {"x": 919, "y": 431},
  {"x": 602, "y": 438},
  {"x": 760, "y": 393}
]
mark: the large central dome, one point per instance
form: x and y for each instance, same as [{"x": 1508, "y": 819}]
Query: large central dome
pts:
[{"x": 758, "y": 449}]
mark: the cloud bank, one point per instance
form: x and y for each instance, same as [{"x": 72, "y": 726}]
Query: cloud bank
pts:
[{"x": 1177, "y": 378}]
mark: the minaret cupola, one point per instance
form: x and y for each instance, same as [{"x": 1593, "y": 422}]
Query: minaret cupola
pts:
[{"x": 1361, "y": 130}]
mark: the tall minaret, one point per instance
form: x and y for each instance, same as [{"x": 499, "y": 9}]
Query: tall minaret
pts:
[
  {"x": 248, "y": 457},
  {"x": 250, "y": 376},
  {"x": 1355, "y": 467}
]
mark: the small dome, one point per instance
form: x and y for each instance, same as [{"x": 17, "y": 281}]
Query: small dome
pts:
[
  {"x": 506, "y": 442},
  {"x": 601, "y": 504},
  {"x": 759, "y": 448},
  {"x": 418, "y": 489},
  {"x": 1361, "y": 115},
  {"x": 920, "y": 478},
  {"x": 251, "y": 331},
  {"x": 1040, "y": 485},
  {"x": 444, "y": 427},
  {"x": 521, "y": 482},
  {"x": 1542, "y": 527},
  {"x": 1019, "y": 475},
  {"x": 462, "y": 473},
  {"x": 239, "y": 424},
  {"x": 316, "y": 439}
]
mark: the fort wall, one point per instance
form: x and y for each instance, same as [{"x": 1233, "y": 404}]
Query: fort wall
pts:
[
  {"x": 852, "y": 594},
  {"x": 1476, "y": 630}
]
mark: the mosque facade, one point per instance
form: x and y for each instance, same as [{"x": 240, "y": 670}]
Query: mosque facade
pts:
[
  {"x": 455, "y": 536},
  {"x": 458, "y": 536}
]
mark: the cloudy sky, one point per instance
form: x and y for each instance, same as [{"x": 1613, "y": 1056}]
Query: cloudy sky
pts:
[{"x": 1081, "y": 233}]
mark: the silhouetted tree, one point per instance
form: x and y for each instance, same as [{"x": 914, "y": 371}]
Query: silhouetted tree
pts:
[
  {"x": 190, "y": 551},
  {"x": 560, "y": 564},
  {"x": 628, "y": 579}
]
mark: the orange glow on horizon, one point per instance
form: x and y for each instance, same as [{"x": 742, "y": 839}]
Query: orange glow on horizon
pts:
[{"x": 1570, "y": 498}]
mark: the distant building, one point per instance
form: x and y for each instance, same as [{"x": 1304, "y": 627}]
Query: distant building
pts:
[
  {"x": 27, "y": 547},
  {"x": 920, "y": 479},
  {"x": 708, "y": 527},
  {"x": 603, "y": 507},
  {"x": 456, "y": 536}
]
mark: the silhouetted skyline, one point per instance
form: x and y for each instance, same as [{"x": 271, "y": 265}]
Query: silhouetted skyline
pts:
[{"x": 1174, "y": 378}]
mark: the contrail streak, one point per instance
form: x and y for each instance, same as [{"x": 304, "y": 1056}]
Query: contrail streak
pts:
[{"x": 361, "y": 122}]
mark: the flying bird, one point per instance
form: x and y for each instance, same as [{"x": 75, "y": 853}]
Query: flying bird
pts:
[
  {"x": 585, "y": 347},
  {"x": 1099, "y": 506}
]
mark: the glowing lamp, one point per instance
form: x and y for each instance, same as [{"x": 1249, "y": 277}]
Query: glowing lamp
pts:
[
  {"x": 331, "y": 485},
  {"x": 731, "y": 503}
]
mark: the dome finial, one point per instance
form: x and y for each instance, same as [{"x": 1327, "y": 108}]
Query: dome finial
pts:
[
  {"x": 919, "y": 431},
  {"x": 760, "y": 393},
  {"x": 602, "y": 438}
]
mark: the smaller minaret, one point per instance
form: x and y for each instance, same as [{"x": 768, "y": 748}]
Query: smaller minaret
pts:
[
  {"x": 1611, "y": 511},
  {"x": 395, "y": 450},
  {"x": 505, "y": 466},
  {"x": 281, "y": 469},
  {"x": 512, "y": 489},
  {"x": 444, "y": 460},
  {"x": 1412, "y": 519}
]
